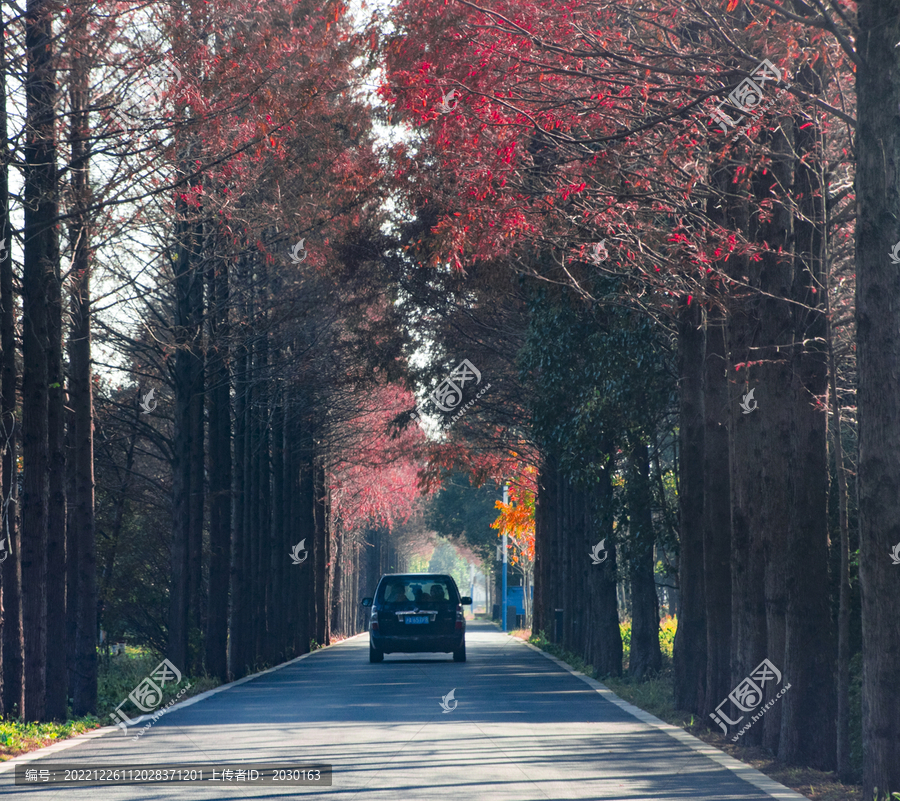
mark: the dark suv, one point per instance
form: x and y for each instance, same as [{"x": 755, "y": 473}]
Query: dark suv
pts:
[{"x": 416, "y": 612}]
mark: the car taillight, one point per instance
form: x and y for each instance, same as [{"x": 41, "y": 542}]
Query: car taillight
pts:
[
  {"x": 373, "y": 620},
  {"x": 460, "y": 617}
]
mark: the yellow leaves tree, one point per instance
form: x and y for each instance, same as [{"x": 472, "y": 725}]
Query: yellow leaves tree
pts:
[{"x": 516, "y": 518}]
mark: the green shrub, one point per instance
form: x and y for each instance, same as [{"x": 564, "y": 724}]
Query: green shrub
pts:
[
  {"x": 119, "y": 675},
  {"x": 625, "y": 629},
  {"x": 667, "y": 627}
]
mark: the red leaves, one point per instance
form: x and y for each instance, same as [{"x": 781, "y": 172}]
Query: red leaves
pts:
[{"x": 572, "y": 189}]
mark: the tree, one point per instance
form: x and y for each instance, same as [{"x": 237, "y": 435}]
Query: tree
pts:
[
  {"x": 12, "y": 648},
  {"x": 41, "y": 263},
  {"x": 81, "y": 544},
  {"x": 878, "y": 151}
]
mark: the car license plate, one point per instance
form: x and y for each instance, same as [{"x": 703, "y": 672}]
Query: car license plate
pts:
[{"x": 416, "y": 618}]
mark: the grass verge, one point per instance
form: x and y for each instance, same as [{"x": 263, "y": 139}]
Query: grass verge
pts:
[{"x": 118, "y": 676}]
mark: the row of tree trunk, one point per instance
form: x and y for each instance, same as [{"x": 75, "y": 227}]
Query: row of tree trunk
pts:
[
  {"x": 48, "y": 575},
  {"x": 754, "y": 543},
  {"x": 254, "y": 460}
]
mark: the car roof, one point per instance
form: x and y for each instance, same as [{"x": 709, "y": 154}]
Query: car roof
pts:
[{"x": 420, "y": 576}]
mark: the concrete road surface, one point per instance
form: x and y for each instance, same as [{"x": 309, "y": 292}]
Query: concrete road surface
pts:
[{"x": 523, "y": 727}]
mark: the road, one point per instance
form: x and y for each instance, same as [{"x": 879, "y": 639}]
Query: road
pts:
[{"x": 523, "y": 728}]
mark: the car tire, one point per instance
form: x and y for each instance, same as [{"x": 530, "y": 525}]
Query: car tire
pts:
[
  {"x": 459, "y": 655},
  {"x": 375, "y": 655}
]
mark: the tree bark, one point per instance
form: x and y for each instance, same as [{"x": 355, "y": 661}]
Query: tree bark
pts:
[
  {"x": 690, "y": 637},
  {"x": 338, "y": 587},
  {"x": 278, "y": 552},
  {"x": 544, "y": 547},
  {"x": 808, "y": 733},
  {"x": 305, "y": 528},
  {"x": 324, "y": 558},
  {"x": 238, "y": 613},
  {"x": 646, "y": 657},
  {"x": 748, "y": 453},
  {"x": 83, "y": 557},
  {"x": 263, "y": 486},
  {"x": 56, "y": 698},
  {"x": 12, "y": 700},
  {"x": 256, "y": 608},
  {"x": 40, "y": 263},
  {"x": 607, "y": 658},
  {"x": 716, "y": 514},
  {"x": 878, "y": 350},
  {"x": 219, "y": 400},
  {"x": 183, "y": 449},
  {"x": 773, "y": 378},
  {"x": 197, "y": 470},
  {"x": 843, "y": 629}
]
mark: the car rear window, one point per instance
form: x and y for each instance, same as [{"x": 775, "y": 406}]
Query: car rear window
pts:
[{"x": 414, "y": 590}]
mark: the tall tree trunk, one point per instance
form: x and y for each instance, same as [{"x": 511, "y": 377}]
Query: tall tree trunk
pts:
[
  {"x": 878, "y": 349},
  {"x": 249, "y": 523},
  {"x": 322, "y": 555},
  {"x": 748, "y": 453},
  {"x": 690, "y": 637},
  {"x": 545, "y": 551},
  {"x": 83, "y": 556},
  {"x": 808, "y": 734},
  {"x": 278, "y": 552},
  {"x": 338, "y": 586},
  {"x": 843, "y": 629},
  {"x": 264, "y": 484},
  {"x": 607, "y": 658},
  {"x": 773, "y": 377},
  {"x": 290, "y": 476},
  {"x": 57, "y": 679},
  {"x": 55, "y": 703},
  {"x": 253, "y": 456},
  {"x": 238, "y": 615},
  {"x": 13, "y": 643},
  {"x": 646, "y": 657},
  {"x": 716, "y": 514},
  {"x": 197, "y": 473},
  {"x": 304, "y": 514},
  {"x": 219, "y": 400},
  {"x": 178, "y": 651},
  {"x": 40, "y": 263}
]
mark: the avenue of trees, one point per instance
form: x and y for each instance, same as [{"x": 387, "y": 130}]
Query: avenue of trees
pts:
[{"x": 241, "y": 244}]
